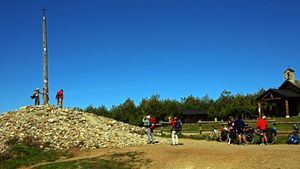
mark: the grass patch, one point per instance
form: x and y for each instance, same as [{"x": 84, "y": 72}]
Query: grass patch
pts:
[
  {"x": 126, "y": 160},
  {"x": 23, "y": 155},
  {"x": 86, "y": 164},
  {"x": 195, "y": 137},
  {"x": 281, "y": 139}
]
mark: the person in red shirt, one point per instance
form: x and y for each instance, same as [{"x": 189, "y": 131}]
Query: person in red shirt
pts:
[
  {"x": 152, "y": 126},
  {"x": 176, "y": 127},
  {"x": 262, "y": 125},
  {"x": 60, "y": 97},
  {"x": 153, "y": 123}
]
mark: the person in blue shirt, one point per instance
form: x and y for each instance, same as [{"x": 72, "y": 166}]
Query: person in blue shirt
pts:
[{"x": 240, "y": 127}]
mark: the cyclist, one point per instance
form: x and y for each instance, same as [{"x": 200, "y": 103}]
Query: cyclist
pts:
[
  {"x": 261, "y": 125},
  {"x": 230, "y": 125},
  {"x": 240, "y": 127}
]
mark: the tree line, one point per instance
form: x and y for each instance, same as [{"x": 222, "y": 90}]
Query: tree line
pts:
[{"x": 226, "y": 105}]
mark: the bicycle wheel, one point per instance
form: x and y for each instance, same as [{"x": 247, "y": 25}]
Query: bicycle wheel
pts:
[
  {"x": 250, "y": 138},
  {"x": 272, "y": 138},
  {"x": 223, "y": 137},
  {"x": 209, "y": 137}
]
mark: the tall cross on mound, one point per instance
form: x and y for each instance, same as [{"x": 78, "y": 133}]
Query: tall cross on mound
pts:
[{"x": 45, "y": 54}]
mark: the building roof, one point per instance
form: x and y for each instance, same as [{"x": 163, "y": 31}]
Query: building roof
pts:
[
  {"x": 291, "y": 85},
  {"x": 285, "y": 93},
  {"x": 288, "y": 89},
  {"x": 289, "y": 69},
  {"x": 194, "y": 112}
]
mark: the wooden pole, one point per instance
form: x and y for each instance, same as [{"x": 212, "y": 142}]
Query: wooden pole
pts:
[
  {"x": 45, "y": 54},
  {"x": 287, "y": 109},
  {"x": 259, "y": 109}
]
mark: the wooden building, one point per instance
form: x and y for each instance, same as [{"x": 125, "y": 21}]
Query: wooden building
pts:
[
  {"x": 193, "y": 116},
  {"x": 286, "y": 98}
]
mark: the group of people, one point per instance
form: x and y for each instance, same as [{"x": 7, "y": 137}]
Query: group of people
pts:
[
  {"x": 237, "y": 129},
  {"x": 59, "y": 97},
  {"x": 150, "y": 123}
]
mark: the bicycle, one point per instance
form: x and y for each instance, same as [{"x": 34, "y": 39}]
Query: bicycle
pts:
[
  {"x": 224, "y": 135},
  {"x": 250, "y": 137},
  {"x": 213, "y": 134},
  {"x": 254, "y": 136},
  {"x": 272, "y": 135},
  {"x": 293, "y": 137}
]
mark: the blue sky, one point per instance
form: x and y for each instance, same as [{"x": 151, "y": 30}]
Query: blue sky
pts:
[{"x": 104, "y": 51}]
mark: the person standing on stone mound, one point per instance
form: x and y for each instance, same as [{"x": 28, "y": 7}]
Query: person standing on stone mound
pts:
[
  {"x": 60, "y": 97},
  {"x": 147, "y": 124},
  {"x": 36, "y": 96}
]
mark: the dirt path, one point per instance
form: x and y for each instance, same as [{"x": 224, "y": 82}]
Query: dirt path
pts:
[{"x": 202, "y": 154}]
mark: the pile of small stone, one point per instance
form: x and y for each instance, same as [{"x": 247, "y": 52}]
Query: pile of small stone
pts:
[{"x": 66, "y": 128}]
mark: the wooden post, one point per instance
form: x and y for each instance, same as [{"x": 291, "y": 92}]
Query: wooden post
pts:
[
  {"x": 287, "y": 109},
  {"x": 200, "y": 129},
  {"x": 45, "y": 88},
  {"x": 259, "y": 109}
]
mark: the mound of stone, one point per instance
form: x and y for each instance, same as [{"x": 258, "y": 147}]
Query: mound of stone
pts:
[{"x": 59, "y": 128}]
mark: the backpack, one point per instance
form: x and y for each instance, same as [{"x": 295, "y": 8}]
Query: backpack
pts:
[
  {"x": 59, "y": 94},
  {"x": 178, "y": 126},
  {"x": 294, "y": 139},
  {"x": 152, "y": 122}
]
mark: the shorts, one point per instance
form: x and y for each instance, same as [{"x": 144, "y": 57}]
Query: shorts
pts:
[
  {"x": 263, "y": 131},
  {"x": 240, "y": 131}
]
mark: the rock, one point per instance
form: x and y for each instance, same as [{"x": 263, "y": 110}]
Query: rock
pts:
[{"x": 59, "y": 128}]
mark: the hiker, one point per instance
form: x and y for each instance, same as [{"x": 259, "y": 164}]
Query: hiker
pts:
[
  {"x": 176, "y": 127},
  {"x": 36, "y": 96},
  {"x": 45, "y": 91},
  {"x": 152, "y": 125},
  {"x": 147, "y": 124},
  {"x": 60, "y": 97},
  {"x": 261, "y": 125},
  {"x": 240, "y": 127},
  {"x": 230, "y": 125}
]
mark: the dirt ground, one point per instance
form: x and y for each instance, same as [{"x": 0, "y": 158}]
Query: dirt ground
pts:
[{"x": 202, "y": 154}]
